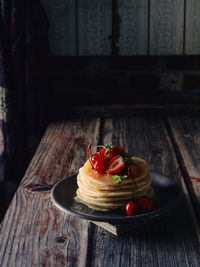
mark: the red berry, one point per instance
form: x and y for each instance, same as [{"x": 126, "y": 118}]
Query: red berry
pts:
[
  {"x": 98, "y": 163},
  {"x": 114, "y": 151},
  {"x": 102, "y": 150},
  {"x": 135, "y": 171},
  {"x": 115, "y": 165},
  {"x": 121, "y": 148},
  {"x": 132, "y": 208},
  {"x": 145, "y": 204},
  {"x": 95, "y": 157}
]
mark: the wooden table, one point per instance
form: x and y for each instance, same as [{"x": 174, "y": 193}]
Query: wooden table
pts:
[{"x": 36, "y": 233}]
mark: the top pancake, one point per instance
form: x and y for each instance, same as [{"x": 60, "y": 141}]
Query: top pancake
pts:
[{"x": 91, "y": 178}]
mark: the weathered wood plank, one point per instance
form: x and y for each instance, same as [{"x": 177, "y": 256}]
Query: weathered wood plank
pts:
[
  {"x": 192, "y": 25},
  {"x": 94, "y": 27},
  {"x": 133, "y": 38},
  {"x": 168, "y": 241},
  {"x": 62, "y": 32},
  {"x": 166, "y": 27},
  {"x": 186, "y": 132},
  {"x": 34, "y": 232}
]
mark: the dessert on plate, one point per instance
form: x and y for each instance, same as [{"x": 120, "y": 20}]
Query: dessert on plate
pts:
[{"x": 112, "y": 178}]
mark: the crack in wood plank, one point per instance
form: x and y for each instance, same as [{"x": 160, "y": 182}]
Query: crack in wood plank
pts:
[{"x": 39, "y": 188}]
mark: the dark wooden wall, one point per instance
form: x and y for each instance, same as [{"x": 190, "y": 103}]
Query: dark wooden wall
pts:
[{"x": 123, "y": 27}]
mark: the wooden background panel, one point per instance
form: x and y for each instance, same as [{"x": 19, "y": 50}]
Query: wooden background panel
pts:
[
  {"x": 166, "y": 27},
  {"x": 133, "y": 35},
  {"x": 94, "y": 27},
  {"x": 164, "y": 242},
  {"x": 62, "y": 32},
  {"x": 155, "y": 26},
  {"x": 192, "y": 25}
]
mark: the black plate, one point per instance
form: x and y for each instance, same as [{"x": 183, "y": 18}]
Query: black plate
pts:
[{"x": 168, "y": 195}]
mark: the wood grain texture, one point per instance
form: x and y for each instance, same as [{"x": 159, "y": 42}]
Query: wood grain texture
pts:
[
  {"x": 166, "y": 242},
  {"x": 133, "y": 39},
  {"x": 166, "y": 27},
  {"x": 62, "y": 32},
  {"x": 192, "y": 31},
  {"x": 34, "y": 232},
  {"x": 186, "y": 133},
  {"x": 94, "y": 27},
  {"x": 86, "y": 29}
]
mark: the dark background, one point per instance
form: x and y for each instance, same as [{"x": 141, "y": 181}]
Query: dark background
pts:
[{"x": 165, "y": 81}]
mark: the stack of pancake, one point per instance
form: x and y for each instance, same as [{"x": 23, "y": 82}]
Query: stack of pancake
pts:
[{"x": 102, "y": 192}]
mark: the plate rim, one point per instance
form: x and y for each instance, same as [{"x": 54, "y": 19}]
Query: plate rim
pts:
[{"x": 121, "y": 219}]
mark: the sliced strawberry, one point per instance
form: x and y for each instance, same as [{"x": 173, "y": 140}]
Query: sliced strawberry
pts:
[
  {"x": 115, "y": 165},
  {"x": 135, "y": 171}
]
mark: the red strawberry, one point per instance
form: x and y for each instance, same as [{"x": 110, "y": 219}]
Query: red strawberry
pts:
[
  {"x": 112, "y": 151},
  {"x": 145, "y": 204},
  {"x": 115, "y": 165},
  {"x": 115, "y": 151},
  {"x": 135, "y": 171}
]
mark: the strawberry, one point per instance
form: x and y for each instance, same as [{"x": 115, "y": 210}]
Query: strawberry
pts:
[
  {"x": 135, "y": 171},
  {"x": 112, "y": 151},
  {"x": 145, "y": 204},
  {"x": 116, "y": 164}
]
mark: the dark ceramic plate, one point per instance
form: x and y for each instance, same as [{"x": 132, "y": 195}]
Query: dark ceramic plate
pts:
[{"x": 168, "y": 195}]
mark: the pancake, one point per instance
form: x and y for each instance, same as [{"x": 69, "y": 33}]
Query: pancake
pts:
[
  {"x": 106, "y": 182},
  {"x": 102, "y": 192}
]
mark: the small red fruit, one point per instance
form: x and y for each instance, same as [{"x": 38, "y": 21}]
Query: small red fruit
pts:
[
  {"x": 114, "y": 151},
  {"x": 135, "y": 171},
  {"x": 102, "y": 150},
  {"x": 115, "y": 165},
  {"x": 145, "y": 204},
  {"x": 121, "y": 148},
  {"x": 132, "y": 208},
  {"x": 98, "y": 162},
  {"x": 95, "y": 157}
]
